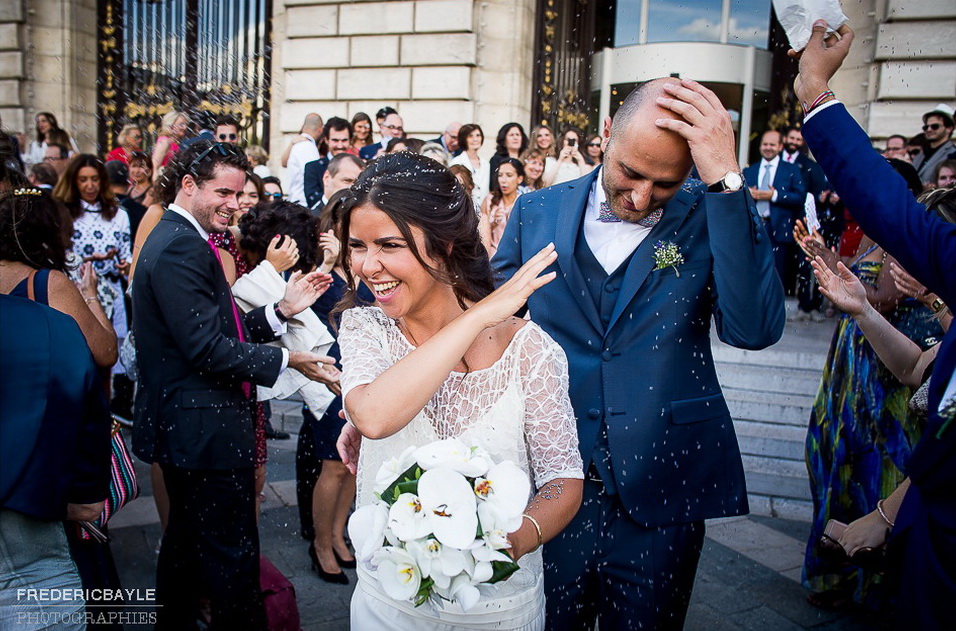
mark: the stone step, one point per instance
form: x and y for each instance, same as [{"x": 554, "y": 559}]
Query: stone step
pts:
[
  {"x": 776, "y": 477},
  {"x": 783, "y": 507},
  {"x": 781, "y": 379},
  {"x": 769, "y": 407},
  {"x": 812, "y": 359},
  {"x": 771, "y": 440}
]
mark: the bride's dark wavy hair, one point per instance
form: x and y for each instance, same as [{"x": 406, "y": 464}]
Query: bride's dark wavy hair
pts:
[{"x": 416, "y": 191}]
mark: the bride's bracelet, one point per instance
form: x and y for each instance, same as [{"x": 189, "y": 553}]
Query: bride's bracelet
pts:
[
  {"x": 879, "y": 507},
  {"x": 537, "y": 527}
]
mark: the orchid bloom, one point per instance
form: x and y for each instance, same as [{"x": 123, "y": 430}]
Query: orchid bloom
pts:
[
  {"x": 406, "y": 518},
  {"x": 398, "y": 573},
  {"x": 392, "y": 468},
  {"x": 450, "y": 506},
  {"x": 503, "y": 495},
  {"x": 367, "y": 530},
  {"x": 453, "y": 454}
]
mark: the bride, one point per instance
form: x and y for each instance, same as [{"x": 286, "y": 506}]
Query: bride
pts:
[{"x": 440, "y": 356}]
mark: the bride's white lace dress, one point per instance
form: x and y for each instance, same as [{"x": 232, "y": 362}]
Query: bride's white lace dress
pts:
[{"x": 517, "y": 409}]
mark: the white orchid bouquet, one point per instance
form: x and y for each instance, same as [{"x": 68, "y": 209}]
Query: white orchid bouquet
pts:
[{"x": 439, "y": 523}]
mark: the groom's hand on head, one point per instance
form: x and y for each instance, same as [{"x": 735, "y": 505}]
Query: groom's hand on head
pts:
[{"x": 706, "y": 126}]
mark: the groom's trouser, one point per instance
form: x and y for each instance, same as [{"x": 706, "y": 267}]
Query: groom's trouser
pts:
[{"x": 606, "y": 566}]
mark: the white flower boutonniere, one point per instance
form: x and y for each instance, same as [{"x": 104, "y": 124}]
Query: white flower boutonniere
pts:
[{"x": 667, "y": 254}]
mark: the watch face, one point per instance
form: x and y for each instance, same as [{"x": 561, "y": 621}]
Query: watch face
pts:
[{"x": 733, "y": 181}]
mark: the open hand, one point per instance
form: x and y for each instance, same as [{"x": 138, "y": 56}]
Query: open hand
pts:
[
  {"x": 349, "y": 445},
  {"x": 906, "y": 283},
  {"x": 320, "y": 368},
  {"x": 302, "y": 290},
  {"x": 820, "y": 60},
  {"x": 282, "y": 257},
  {"x": 813, "y": 245},
  {"x": 842, "y": 288},
  {"x": 102, "y": 256},
  {"x": 330, "y": 246},
  {"x": 505, "y": 301},
  {"x": 708, "y": 129}
]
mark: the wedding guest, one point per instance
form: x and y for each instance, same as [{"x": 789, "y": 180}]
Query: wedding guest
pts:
[
  {"x": 496, "y": 208},
  {"x": 570, "y": 164},
  {"x": 463, "y": 175},
  {"x": 172, "y": 131},
  {"x": 57, "y": 156},
  {"x": 54, "y": 460},
  {"x": 258, "y": 160},
  {"x": 510, "y": 143},
  {"x": 470, "y": 139},
  {"x": 594, "y": 155},
  {"x": 436, "y": 152},
  {"x": 43, "y": 176},
  {"x": 48, "y": 132},
  {"x": 361, "y": 132},
  {"x": 534, "y": 161},
  {"x": 922, "y": 543},
  {"x": 272, "y": 188},
  {"x": 100, "y": 234},
  {"x": 140, "y": 179},
  {"x": 444, "y": 345},
  {"x": 945, "y": 174},
  {"x": 128, "y": 141}
]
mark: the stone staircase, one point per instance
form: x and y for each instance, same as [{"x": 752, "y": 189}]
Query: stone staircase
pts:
[{"x": 770, "y": 394}]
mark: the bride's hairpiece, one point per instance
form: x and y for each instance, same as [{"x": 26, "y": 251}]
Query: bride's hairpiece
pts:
[{"x": 28, "y": 191}]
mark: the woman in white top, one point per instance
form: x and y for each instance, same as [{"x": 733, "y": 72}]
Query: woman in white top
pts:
[
  {"x": 571, "y": 163},
  {"x": 48, "y": 131},
  {"x": 439, "y": 355},
  {"x": 470, "y": 138}
]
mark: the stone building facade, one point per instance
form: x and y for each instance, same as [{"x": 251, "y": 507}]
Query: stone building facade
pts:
[{"x": 442, "y": 60}]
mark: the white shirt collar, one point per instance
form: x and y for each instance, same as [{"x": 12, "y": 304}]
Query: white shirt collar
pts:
[
  {"x": 179, "y": 210},
  {"x": 94, "y": 207},
  {"x": 610, "y": 242},
  {"x": 773, "y": 163}
]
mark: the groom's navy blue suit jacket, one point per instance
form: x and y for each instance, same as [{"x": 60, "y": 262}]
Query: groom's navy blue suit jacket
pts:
[{"x": 649, "y": 373}]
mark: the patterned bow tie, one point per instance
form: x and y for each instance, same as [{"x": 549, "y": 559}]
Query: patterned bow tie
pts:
[{"x": 606, "y": 216}]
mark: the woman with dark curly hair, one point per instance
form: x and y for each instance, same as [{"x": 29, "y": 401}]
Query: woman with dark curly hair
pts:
[
  {"x": 510, "y": 143},
  {"x": 440, "y": 355}
]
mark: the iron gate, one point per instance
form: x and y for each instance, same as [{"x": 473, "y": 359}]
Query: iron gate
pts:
[{"x": 204, "y": 57}]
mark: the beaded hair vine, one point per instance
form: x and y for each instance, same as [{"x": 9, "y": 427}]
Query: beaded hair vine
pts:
[{"x": 28, "y": 191}]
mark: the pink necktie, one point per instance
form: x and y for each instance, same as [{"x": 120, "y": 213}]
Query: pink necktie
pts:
[{"x": 246, "y": 386}]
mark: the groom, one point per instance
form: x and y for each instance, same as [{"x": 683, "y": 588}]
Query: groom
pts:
[{"x": 646, "y": 259}]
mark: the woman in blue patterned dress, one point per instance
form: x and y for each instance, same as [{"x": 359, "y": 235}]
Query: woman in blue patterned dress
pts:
[{"x": 861, "y": 432}]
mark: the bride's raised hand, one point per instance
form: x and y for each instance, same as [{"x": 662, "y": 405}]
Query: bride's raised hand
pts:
[{"x": 505, "y": 301}]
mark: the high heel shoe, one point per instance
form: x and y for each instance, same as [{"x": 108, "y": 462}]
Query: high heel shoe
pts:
[
  {"x": 338, "y": 578},
  {"x": 347, "y": 565}
]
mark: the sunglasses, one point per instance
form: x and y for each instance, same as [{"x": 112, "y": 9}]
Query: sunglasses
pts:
[
  {"x": 594, "y": 144},
  {"x": 223, "y": 150},
  {"x": 227, "y": 136},
  {"x": 931, "y": 126},
  {"x": 274, "y": 195}
]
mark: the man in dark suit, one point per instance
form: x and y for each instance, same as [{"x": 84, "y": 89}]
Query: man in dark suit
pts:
[
  {"x": 392, "y": 127},
  {"x": 780, "y": 194},
  {"x": 646, "y": 258},
  {"x": 338, "y": 135},
  {"x": 449, "y": 139},
  {"x": 809, "y": 299},
  {"x": 193, "y": 408},
  {"x": 922, "y": 545},
  {"x": 343, "y": 170}
]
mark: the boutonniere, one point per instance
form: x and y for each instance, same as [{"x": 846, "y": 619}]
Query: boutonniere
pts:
[{"x": 667, "y": 254}]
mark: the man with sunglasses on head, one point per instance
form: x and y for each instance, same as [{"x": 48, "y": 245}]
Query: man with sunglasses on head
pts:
[
  {"x": 227, "y": 130},
  {"x": 938, "y": 128},
  {"x": 199, "y": 359}
]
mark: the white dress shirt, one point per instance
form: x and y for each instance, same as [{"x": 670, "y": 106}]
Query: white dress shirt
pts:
[
  {"x": 278, "y": 327},
  {"x": 610, "y": 242},
  {"x": 302, "y": 153}
]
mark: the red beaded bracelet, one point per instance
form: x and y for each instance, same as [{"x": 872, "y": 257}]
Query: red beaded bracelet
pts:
[{"x": 817, "y": 101}]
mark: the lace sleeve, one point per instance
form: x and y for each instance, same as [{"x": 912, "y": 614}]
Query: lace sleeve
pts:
[
  {"x": 549, "y": 423},
  {"x": 364, "y": 348}
]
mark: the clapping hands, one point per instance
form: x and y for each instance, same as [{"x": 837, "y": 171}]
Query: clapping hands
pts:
[
  {"x": 302, "y": 290},
  {"x": 813, "y": 245},
  {"x": 331, "y": 246},
  {"x": 842, "y": 288}
]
